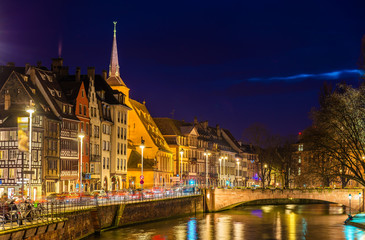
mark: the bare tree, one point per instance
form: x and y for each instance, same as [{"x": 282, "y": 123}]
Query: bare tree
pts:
[{"x": 338, "y": 133}]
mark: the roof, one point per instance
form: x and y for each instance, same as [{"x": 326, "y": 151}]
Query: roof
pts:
[
  {"x": 135, "y": 159},
  {"x": 53, "y": 91},
  {"x": 170, "y": 126},
  {"x": 150, "y": 125}
]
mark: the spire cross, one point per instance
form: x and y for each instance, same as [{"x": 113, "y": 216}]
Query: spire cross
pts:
[{"x": 115, "y": 28}]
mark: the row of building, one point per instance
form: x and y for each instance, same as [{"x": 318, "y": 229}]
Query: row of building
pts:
[{"x": 86, "y": 128}]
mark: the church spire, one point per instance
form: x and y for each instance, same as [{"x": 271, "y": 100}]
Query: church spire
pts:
[{"x": 114, "y": 65}]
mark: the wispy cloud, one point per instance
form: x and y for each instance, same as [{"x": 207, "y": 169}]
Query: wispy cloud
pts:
[{"x": 320, "y": 76}]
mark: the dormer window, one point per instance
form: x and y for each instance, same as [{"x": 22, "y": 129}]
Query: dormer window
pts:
[
  {"x": 82, "y": 93},
  {"x": 64, "y": 108}
]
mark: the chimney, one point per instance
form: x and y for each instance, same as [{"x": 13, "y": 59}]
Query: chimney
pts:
[
  {"x": 57, "y": 63},
  {"x": 77, "y": 75},
  {"x": 218, "y": 131},
  {"x": 7, "y": 100},
  {"x": 39, "y": 64},
  {"x": 91, "y": 72},
  {"x": 195, "y": 121},
  {"x": 104, "y": 74},
  {"x": 10, "y": 64},
  {"x": 205, "y": 125},
  {"x": 27, "y": 66}
]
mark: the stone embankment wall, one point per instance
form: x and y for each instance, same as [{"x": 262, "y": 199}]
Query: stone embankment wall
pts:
[{"x": 84, "y": 223}]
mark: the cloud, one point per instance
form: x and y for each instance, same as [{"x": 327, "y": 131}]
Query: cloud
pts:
[
  {"x": 320, "y": 76},
  {"x": 290, "y": 85}
]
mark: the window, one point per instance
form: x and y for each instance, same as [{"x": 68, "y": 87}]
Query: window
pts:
[
  {"x": 300, "y": 147},
  {"x": 107, "y": 163},
  {"x": 118, "y": 148},
  {"x": 104, "y": 145},
  {"x": 82, "y": 93},
  {"x": 103, "y": 162},
  {"x": 84, "y": 110},
  {"x": 13, "y": 154},
  {"x": 11, "y": 172},
  {"x": 117, "y": 163},
  {"x": 80, "y": 109},
  {"x": 87, "y": 129},
  {"x": 299, "y": 159},
  {"x": 2, "y": 172},
  {"x": 92, "y": 169}
]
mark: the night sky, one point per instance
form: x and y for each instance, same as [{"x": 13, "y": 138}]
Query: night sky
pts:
[{"x": 232, "y": 63}]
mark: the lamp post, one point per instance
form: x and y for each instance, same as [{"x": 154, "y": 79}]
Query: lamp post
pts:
[
  {"x": 30, "y": 110},
  {"x": 238, "y": 169},
  {"x": 359, "y": 201},
  {"x": 181, "y": 164},
  {"x": 206, "y": 168},
  {"x": 350, "y": 203},
  {"x": 142, "y": 177},
  {"x": 220, "y": 170},
  {"x": 81, "y": 136}
]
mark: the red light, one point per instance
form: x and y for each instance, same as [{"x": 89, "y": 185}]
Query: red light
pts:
[{"x": 300, "y": 133}]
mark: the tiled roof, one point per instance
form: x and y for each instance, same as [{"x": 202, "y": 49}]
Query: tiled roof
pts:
[
  {"x": 135, "y": 159},
  {"x": 150, "y": 125},
  {"x": 54, "y": 92}
]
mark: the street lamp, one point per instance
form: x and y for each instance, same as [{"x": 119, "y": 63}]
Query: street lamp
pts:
[
  {"x": 141, "y": 178},
  {"x": 359, "y": 201},
  {"x": 238, "y": 169},
  {"x": 206, "y": 168},
  {"x": 30, "y": 110},
  {"x": 181, "y": 163},
  {"x": 81, "y": 136},
  {"x": 220, "y": 170},
  {"x": 350, "y": 203}
]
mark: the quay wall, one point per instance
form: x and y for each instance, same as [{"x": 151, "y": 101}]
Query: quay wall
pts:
[{"x": 78, "y": 225}]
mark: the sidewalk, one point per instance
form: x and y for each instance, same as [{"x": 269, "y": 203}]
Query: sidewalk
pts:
[{"x": 358, "y": 221}]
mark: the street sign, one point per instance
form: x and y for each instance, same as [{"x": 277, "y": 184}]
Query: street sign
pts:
[
  {"x": 141, "y": 177},
  {"x": 141, "y": 182}
]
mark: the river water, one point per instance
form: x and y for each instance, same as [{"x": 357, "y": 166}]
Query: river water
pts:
[{"x": 313, "y": 221}]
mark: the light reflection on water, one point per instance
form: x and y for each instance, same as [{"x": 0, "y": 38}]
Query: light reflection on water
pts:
[{"x": 316, "y": 221}]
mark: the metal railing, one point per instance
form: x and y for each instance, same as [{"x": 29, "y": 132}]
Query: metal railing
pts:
[{"x": 15, "y": 215}]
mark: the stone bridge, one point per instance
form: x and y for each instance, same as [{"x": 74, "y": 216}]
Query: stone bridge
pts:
[{"x": 223, "y": 199}]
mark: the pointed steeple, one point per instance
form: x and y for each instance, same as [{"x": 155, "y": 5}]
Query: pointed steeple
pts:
[{"x": 114, "y": 65}]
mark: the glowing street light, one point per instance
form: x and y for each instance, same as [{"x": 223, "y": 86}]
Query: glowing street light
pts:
[
  {"x": 142, "y": 177},
  {"x": 238, "y": 168},
  {"x": 81, "y": 136},
  {"x": 30, "y": 110},
  {"x": 206, "y": 168},
  {"x": 220, "y": 170},
  {"x": 181, "y": 163},
  {"x": 350, "y": 202},
  {"x": 359, "y": 201}
]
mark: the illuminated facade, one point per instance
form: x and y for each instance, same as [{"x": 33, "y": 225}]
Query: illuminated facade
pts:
[{"x": 138, "y": 124}]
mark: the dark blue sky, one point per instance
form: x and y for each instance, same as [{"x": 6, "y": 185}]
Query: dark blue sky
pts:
[{"x": 230, "y": 62}]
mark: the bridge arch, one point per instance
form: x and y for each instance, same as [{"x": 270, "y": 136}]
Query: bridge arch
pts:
[{"x": 223, "y": 199}]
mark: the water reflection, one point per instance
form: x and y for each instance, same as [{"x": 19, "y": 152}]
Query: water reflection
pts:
[{"x": 317, "y": 221}]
